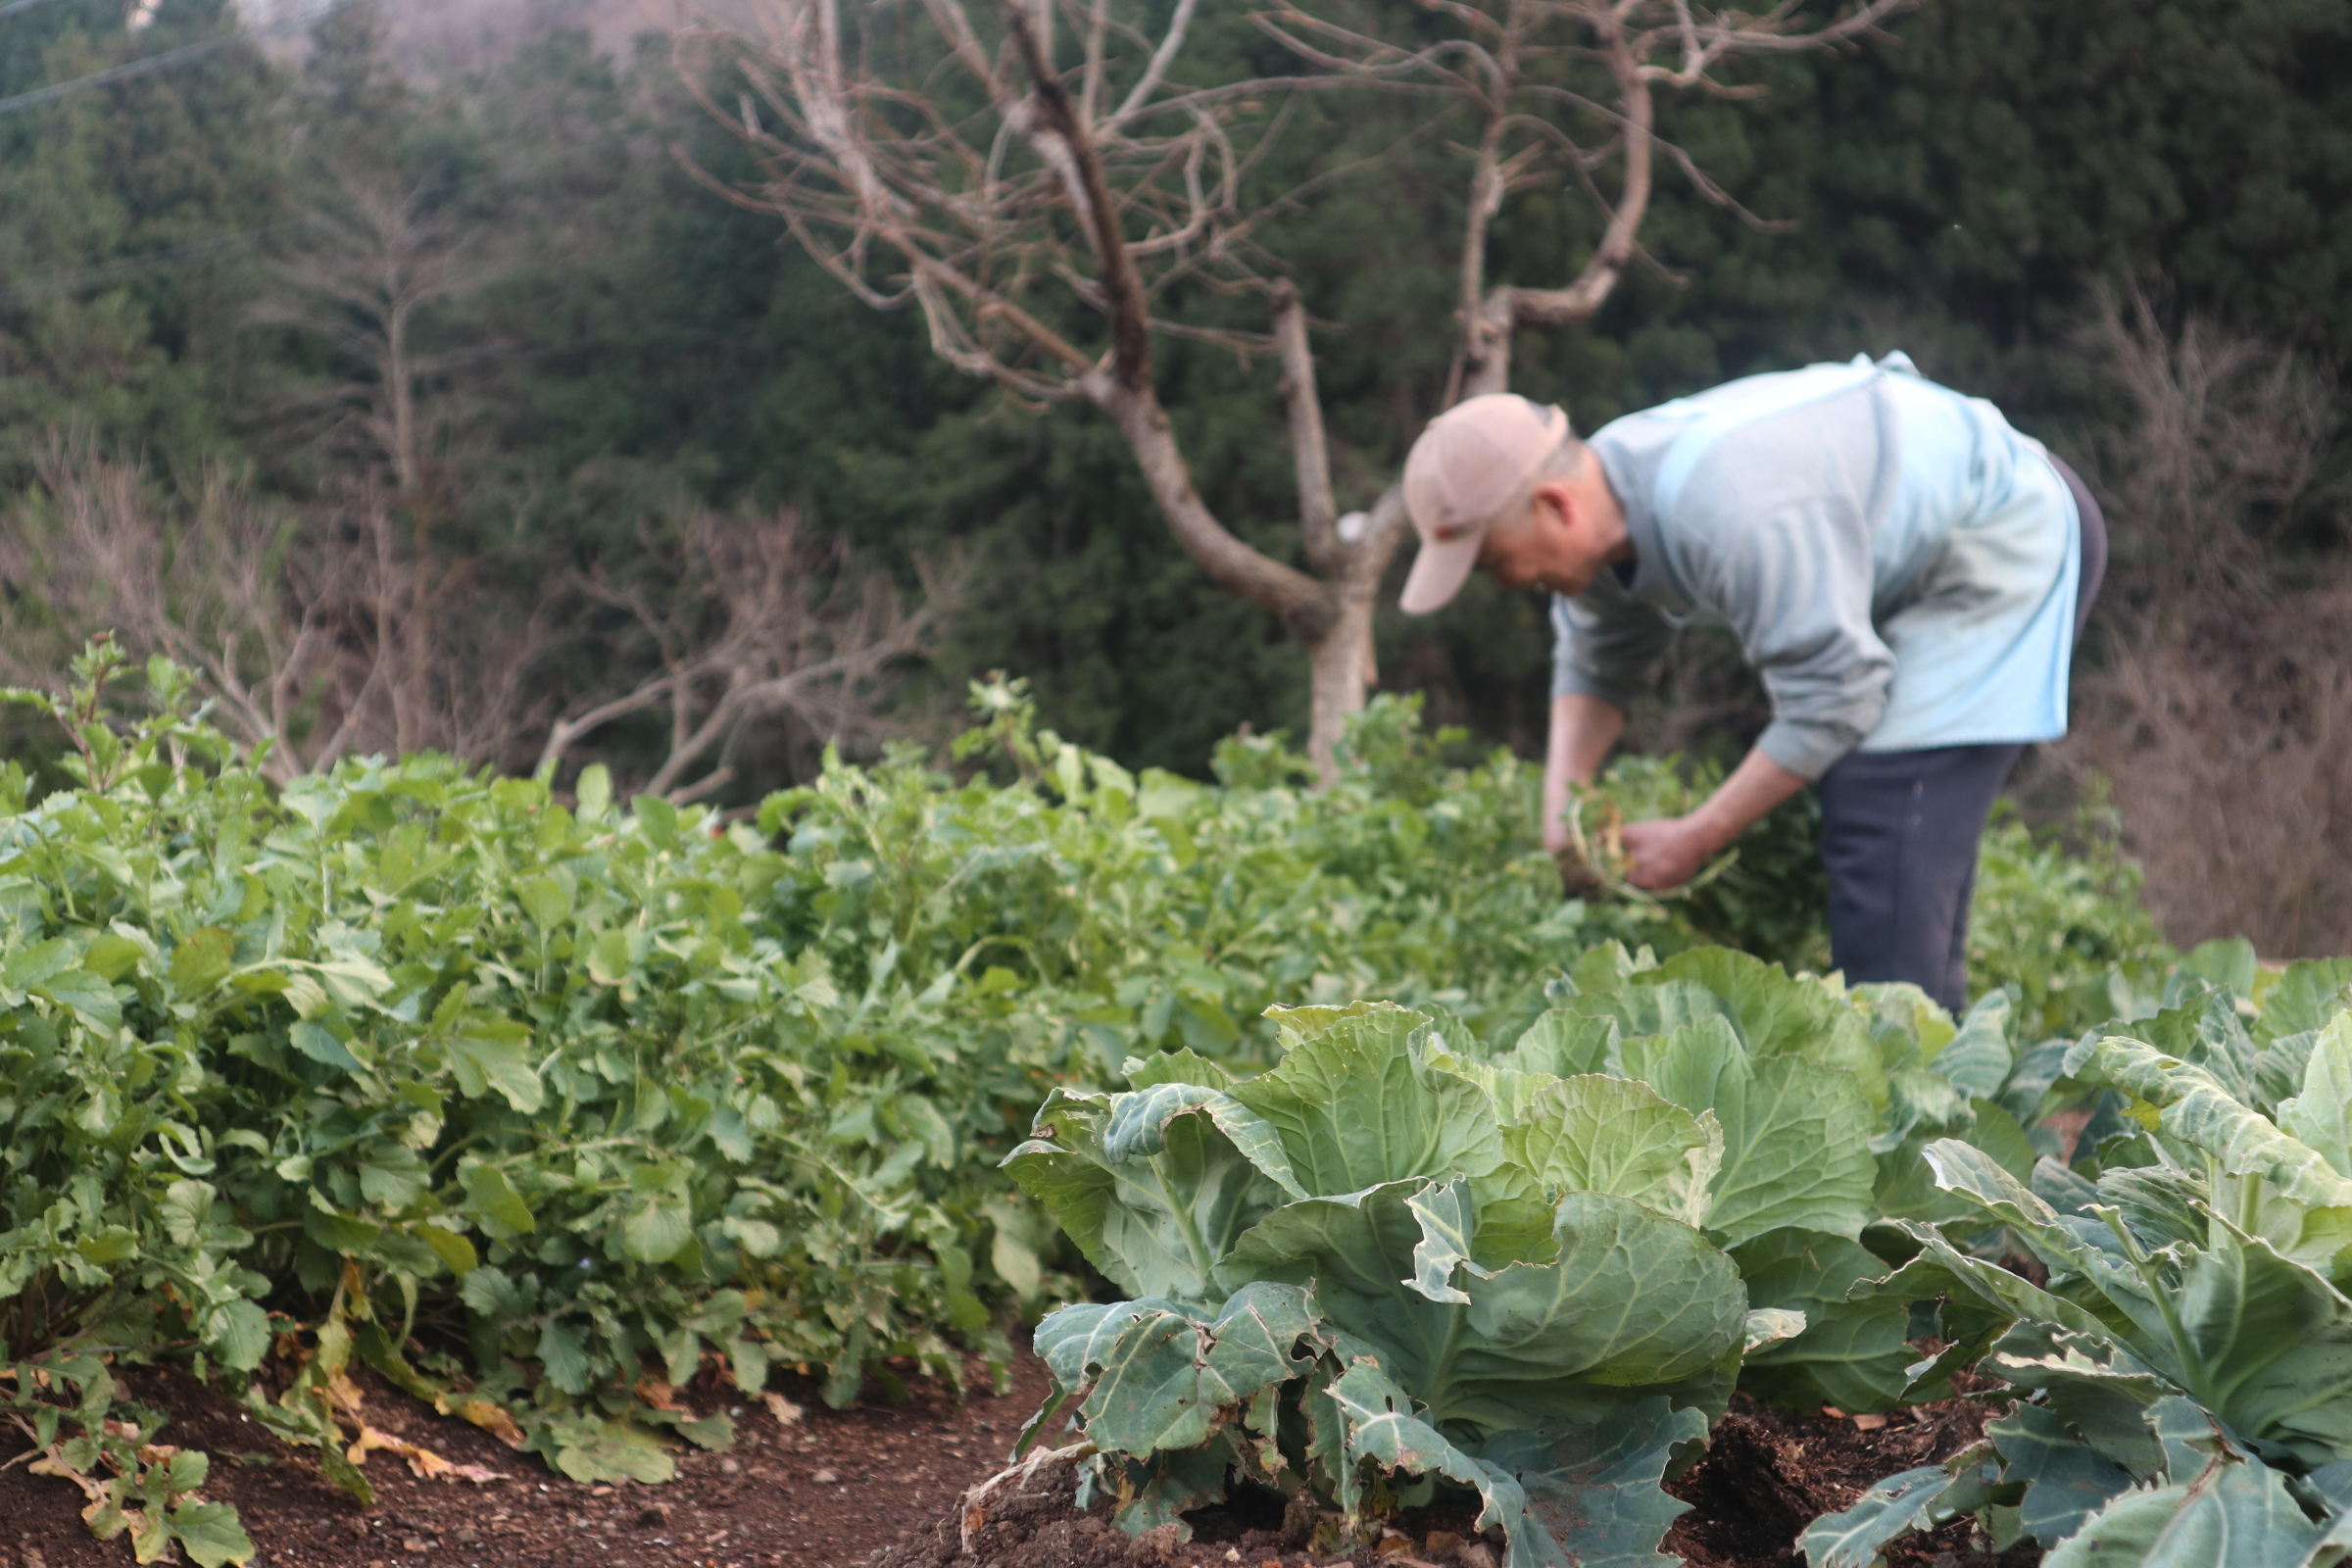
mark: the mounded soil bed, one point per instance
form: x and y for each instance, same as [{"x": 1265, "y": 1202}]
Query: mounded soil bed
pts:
[
  {"x": 895, "y": 1484},
  {"x": 825, "y": 1491}
]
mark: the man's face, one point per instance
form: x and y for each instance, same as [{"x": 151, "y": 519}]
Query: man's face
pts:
[{"x": 1543, "y": 549}]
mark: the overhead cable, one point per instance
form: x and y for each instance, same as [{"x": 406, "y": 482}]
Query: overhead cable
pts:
[
  {"x": 130, "y": 267},
  {"x": 169, "y": 57}
]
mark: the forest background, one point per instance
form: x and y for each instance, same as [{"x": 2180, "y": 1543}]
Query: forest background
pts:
[{"x": 417, "y": 368}]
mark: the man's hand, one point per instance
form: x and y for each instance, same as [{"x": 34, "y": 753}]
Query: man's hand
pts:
[{"x": 1666, "y": 852}]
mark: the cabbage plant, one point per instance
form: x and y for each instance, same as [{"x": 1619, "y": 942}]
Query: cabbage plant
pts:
[
  {"x": 2187, "y": 1365},
  {"x": 1364, "y": 1274},
  {"x": 1827, "y": 1098}
]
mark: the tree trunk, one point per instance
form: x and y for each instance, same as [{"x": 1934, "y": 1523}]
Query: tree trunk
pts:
[
  {"x": 1341, "y": 658},
  {"x": 1339, "y": 653}
]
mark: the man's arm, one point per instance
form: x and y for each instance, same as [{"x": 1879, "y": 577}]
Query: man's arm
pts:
[
  {"x": 1583, "y": 729},
  {"x": 1669, "y": 852}
]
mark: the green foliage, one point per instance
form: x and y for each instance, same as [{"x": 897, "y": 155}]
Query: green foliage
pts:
[
  {"x": 2186, "y": 1366},
  {"x": 1363, "y": 1272},
  {"x": 2059, "y": 918},
  {"x": 99, "y": 187},
  {"x": 409, "y": 1046},
  {"x": 1159, "y": 913}
]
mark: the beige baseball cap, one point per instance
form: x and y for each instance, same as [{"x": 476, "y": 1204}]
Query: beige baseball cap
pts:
[{"x": 1467, "y": 465}]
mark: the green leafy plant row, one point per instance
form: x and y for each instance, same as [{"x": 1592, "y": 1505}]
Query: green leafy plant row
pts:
[
  {"x": 2056, "y": 918},
  {"x": 536, "y": 1101}
]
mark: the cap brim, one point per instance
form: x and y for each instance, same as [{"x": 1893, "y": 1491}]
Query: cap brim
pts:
[{"x": 1437, "y": 575}]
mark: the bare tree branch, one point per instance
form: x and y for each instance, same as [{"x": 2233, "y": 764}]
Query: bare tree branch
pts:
[
  {"x": 757, "y": 621},
  {"x": 1157, "y": 72},
  {"x": 1310, "y": 452}
]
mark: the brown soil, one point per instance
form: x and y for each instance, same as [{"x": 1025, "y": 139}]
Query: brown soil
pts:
[
  {"x": 1767, "y": 1475},
  {"x": 825, "y": 1491},
  {"x": 835, "y": 1487},
  {"x": 1764, "y": 1477}
]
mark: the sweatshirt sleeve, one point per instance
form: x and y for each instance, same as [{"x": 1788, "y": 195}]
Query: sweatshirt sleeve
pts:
[
  {"x": 1605, "y": 643},
  {"x": 1794, "y": 579}
]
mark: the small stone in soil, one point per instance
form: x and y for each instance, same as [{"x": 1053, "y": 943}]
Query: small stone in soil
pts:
[{"x": 824, "y": 1478}]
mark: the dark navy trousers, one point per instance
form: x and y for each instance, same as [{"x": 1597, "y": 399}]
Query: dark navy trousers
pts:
[{"x": 1899, "y": 832}]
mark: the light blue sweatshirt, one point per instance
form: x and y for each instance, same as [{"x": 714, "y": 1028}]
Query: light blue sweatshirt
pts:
[{"x": 1898, "y": 564}]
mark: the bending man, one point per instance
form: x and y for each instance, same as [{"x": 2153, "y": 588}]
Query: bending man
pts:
[{"x": 1906, "y": 572}]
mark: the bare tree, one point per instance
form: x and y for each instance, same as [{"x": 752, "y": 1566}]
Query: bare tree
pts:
[
  {"x": 2229, "y": 752},
  {"x": 375, "y": 261},
  {"x": 758, "y": 621},
  {"x": 430, "y": 651},
  {"x": 1052, "y": 205},
  {"x": 314, "y": 639},
  {"x": 96, "y": 550},
  {"x": 387, "y": 616},
  {"x": 322, "y": 642}
]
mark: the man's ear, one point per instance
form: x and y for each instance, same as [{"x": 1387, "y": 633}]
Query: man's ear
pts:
[{"x": 1555, "y": 505}]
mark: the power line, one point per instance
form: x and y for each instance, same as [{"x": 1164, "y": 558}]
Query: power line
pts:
[
  {"x": 222, "y": 244},
  {"x": 132, "y": 265},
  {"x": 169, "y": 57}
]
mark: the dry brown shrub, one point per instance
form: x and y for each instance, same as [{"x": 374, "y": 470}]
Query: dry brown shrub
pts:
[
  {"x": 2224, "y": 710},
  {"x": 336, "y": 632},
  {"x": 2230, "y": 755}
]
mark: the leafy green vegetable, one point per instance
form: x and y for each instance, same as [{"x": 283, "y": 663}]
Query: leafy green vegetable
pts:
[
  {"x": 1355, "y": 1267},
  {"x": 1811, "y": 1109},
  {"x": 2187, "y": 1367},
  {"x": 2057, "y": 917}
]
